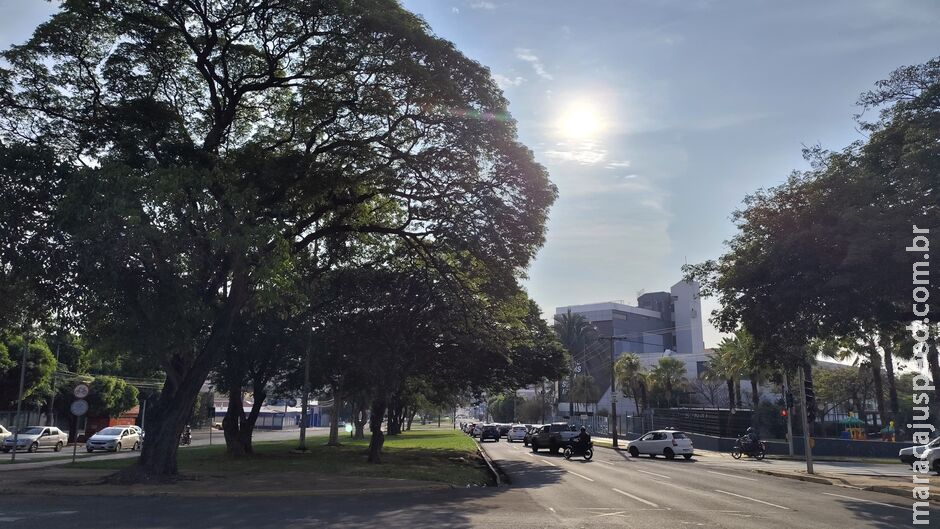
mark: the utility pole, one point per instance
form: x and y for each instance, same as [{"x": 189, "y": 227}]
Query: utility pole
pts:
[
  {"x": 19, "y": 399},
  {"x": 50, "y": 416},
  {"x": 807, "y": 449},
  {"x": 787, "y": 400},
  {"x": 613, "y": 392}
]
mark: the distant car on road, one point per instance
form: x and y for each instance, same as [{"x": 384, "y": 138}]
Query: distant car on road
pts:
[
  {"x": 932, "y": 457},
  {"x": 32, "y": 438},
  {"x": 4, "y": 433},
  {"x": 531, "y": 431},
  {"x": 668, "y": 443},
  {"x": 489, "y": 431},
  {"x": 517, "y": 433},
  {"x": 114, "y": 439},
  {"x": 504, "y": 429}
]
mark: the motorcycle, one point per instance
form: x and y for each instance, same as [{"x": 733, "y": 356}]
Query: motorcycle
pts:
[
  {"x": 573, "y": 450},
  {"x": 755, "y": 450}
]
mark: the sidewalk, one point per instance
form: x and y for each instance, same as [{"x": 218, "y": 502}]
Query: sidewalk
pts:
[
  {"x": 60, "y": 481},
  {"x": 884, "y": 484}
]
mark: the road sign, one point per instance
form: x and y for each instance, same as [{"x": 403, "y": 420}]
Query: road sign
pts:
[
  {"x": 79, "y": 407},
  {"x": 81, "y": 391}
]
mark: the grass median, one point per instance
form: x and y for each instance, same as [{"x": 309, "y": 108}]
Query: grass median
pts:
[{"x": 441, "y": 455}]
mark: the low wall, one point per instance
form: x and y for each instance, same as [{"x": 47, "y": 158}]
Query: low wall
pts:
[{"x": 823, "y": 446}]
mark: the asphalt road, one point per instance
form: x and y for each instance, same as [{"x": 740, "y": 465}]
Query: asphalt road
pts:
[
  {"x": 546, "y": 491},
  {"x": 47, "y": 456}
]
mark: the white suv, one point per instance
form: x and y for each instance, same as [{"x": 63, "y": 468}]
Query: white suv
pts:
[{"x": 668, "y": 443}]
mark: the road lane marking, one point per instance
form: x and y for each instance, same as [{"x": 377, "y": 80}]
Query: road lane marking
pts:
[
  {"x": 730, "y": 475},
  {"x": 618, "y": 513},
  {"x": 548, "y": 462},
  {"x": 753, "y": 499},
  {"x": 865, "y": 501},
  {"x": 581, "y": 476},
  {"x": 652, "y": 474},
  {"x": 637, "y": 498},
  {"x": 606, "y": 462}
]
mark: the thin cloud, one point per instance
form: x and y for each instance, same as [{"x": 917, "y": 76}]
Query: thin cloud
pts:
[
  {"x": 455, "y": 10},
  {"x": 505, "y": 82},
  {"x": 489, "y": 6},
  {"x": 525, "y": 54}
]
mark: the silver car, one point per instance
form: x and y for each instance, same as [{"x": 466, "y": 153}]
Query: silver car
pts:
[
  {"x": 114, "y": 439},
  {"x": 4, "y": 433},
  {"x": 32, "y": 438}
]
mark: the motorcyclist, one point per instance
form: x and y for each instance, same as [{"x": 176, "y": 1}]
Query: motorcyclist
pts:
[
  {"x": 583, "y": 440},
  {"x": 751, "y": 439}
]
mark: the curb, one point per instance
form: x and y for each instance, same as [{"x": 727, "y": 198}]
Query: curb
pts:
[
  {"x": 811, "y": 479},
  {"x": 490, "y": 464},
  {"x": 894, "y": 491},
  {"x": 221, "y": 494}
]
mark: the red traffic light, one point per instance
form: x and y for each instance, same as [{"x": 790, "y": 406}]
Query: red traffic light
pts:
[{"x": 783, "y": 412}]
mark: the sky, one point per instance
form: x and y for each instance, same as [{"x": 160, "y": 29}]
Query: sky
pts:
[{"x": 655, "y": 118}]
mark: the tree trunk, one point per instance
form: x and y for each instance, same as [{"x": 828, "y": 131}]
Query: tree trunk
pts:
[
  {"x": 360, "y": 419},
  {"x": 731, "y": 401},
  {"x": 933, "y": 361},
  {"x": 887, "y": 347},
  {"x": 185, "y": 377},
  {"x": 375, "y": 424},
  {"x": 755, "y": 395},
  {"x": 411, "y": 417},
  {"x": 874, "y": 358},
  {"x": 334, "y": 420},
  {"x": 737, "y": 392}
]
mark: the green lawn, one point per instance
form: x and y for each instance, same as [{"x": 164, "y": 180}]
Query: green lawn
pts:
[{"x": 429, "y": 455}]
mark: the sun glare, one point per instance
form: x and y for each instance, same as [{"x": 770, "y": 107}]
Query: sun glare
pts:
[{"x": 580, "y": 120}]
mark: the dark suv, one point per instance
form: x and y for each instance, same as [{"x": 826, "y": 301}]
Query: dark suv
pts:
[
  {"x": 490, "y": 431},
  {"x": 553, "y": 436}
]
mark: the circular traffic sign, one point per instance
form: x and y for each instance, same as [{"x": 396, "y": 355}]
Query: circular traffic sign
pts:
[
  {"x": 79, "y": 407},
  {"x": 80, "y": 391}
]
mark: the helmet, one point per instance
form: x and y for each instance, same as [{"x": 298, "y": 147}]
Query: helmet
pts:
[{"x": 583, "y": 428}]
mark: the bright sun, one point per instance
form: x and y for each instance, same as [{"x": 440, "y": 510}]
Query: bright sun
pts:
[{"x": 580, "y": 120}]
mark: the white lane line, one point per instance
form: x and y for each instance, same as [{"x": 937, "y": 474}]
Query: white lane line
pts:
[
  {"x": 551, "y": 509},
  {"x": 653, "y": 474},
  {"x": 618, "y": 513},
  {"x": 637, "y": 498},
  {"x": 866, "y": 501},
  {"x": 730, "y": 475},
  {"x": 548, "y": 462},
  {"x": 606, "y": 462},
  {"x": 753, "y": 499},
  {"x": 581, "y": 476}
]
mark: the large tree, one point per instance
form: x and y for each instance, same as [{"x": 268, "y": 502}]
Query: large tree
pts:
[
  {"x": 823, "y": 254},
  {"x": 199, "y": 146}
]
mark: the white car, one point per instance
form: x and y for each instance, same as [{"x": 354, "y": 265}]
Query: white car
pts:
[
  {"x": 517, "y": 433},
  {"x": 912, "y": 453},
  {"x": 32, "y": 438},
  {"x": 932, "y": 457},
  {"x": 114, "y": 439},
  {"x": 668, "y": 443},
  {"x": 4, "y": 433}
]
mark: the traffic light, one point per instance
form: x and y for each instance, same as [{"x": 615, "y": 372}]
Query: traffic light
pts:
[
  {"x": 783, "y": 412},
  {"x": 789, "y": 399},
  {"x": 810, "y": 399}
]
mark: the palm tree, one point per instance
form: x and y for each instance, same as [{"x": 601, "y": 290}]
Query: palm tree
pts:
[
  {"x": 631, "y": 378},
  {"x": 725, "y": 364},
  {"x": 669, "y": 374},
  {"x": 575, "y": 333}
]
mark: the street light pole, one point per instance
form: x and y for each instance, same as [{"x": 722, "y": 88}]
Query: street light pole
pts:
[
  {"x": 19, "y": 398},
  {"x": 807, "y": 449},
  {"x": 613, "y": 392},
  {"x": 786, "y": 404}
]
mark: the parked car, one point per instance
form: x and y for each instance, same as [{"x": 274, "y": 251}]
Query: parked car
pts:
[
  {"x": 489, "y": 431},
  {"x": 114, "y": 439},
  {"x": 517, "y": 433},
  {"x": 553, "y": 436},
  {"x": 668, "y": 443},
  {"x": 32, "y": 438},
  {"x": 4, "y": 433},
  {"x": 913, "y": 453},
  {"x": 476, "y": 430}
]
